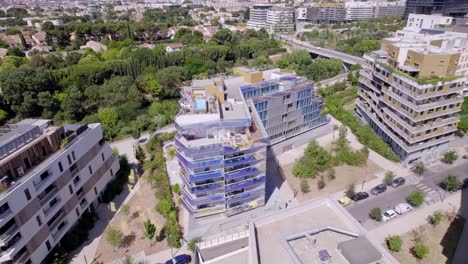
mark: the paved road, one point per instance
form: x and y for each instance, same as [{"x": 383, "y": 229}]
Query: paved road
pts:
[
  {"x": 350, "y": 59},
  {"x": 428, "y": 184}
]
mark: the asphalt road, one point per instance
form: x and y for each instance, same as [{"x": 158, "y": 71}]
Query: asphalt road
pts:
[{"x": 393, "y": 196}]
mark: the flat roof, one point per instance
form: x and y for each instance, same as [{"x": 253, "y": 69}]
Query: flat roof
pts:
[{"x": 352, "y": 251}]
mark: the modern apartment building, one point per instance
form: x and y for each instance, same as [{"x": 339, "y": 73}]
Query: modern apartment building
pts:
[
  {"x": 258, "y": 16},
  {"x": 222, "y": 141},
  {"x": 51, "y": 175},
  {"x": 410, "y": 95},
  {"x": 330, "y": 12},
  {"x": 418, "y": 21},
  {"x": 457, "y": 8}
]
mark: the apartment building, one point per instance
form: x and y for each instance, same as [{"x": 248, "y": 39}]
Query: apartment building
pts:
[
  {"x": 389, "y": 9},
  {"x": 222, "y": 141},
  {"x": 51, "y": 175},
  {"x": 258, "y": 16},
  {"x": 410, "y": 95},
  {"x": 280, "y": 20},
  {"x": 331, "y": 12},
  {"x": 418, "y": 21},
  {"x": 457, "y": 8}
]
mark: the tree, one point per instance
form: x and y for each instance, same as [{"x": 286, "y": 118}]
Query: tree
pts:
[
  {"x": 416, "y": 198},
  {"x": 389, "y": 177},
  {"x": 450, "y": 157},
  {"x": 331, "y": 174},
  {"x": 114, "y": 236},
  {"x": 305, "y": 188},
  {"x": 436, "y": 218},
  {"x": 419, "y": 168},
  {"x": 140, "y": 154},
  {"x": 394, "y": 243},
  {"x": 3, "y": 115},
  {"x": 376, "y": 214},
  {"x": 108, "y": 117},
  {"x": 350, "y": 190},
  {"x": 420, "y": 250},
  {"x": 150, "y": 229},
  {"x": 60, "y": 258},
  {"x": 193, "y": 243},
  {"x": 451, "y": 183},
  {"x": 176, "y": 188}
]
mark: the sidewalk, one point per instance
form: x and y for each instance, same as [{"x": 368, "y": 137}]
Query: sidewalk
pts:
[{"x": 412, "y": 220}]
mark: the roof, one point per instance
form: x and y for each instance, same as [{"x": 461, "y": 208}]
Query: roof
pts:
[
  {"x": 353, "y": 251},
  {"x": 175, "y": 45}
]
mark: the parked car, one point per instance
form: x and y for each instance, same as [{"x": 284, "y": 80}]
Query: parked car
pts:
[
  {"x": 180, "y": 259},
  {"x": 388, "y": 215},
  {"x": 403, "y": 208},
  {"x": 465, "y": 183},
  {"x": 465, "y": 156},
  {"x": 398, "y": 182},
  {"x": 379, "y": 189},
  {"x": 345, "y": 201},
  {"x": 360, "y": 196}
]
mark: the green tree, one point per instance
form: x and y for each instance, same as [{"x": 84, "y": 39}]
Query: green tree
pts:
[
  {"x": 331, "y": 173},
  {"x": 60, "y": 258},
  {"x": 114, "y": 236},
  {"x": 389, "y": 177},
  {"x": 436, "y": 218},
  {"x": 150, "y": 229},
  {"x": 3, "y": 115},
  {"x": 350, "y": 190},
  {"x": 450, "y": 157},
  {"x": 193, "y": 243},
  {"x": 376, "y": 214},
  {"x": 416, "y": 198},
  {"x": 108, "y": 117},
  {"x": 419, "y": 168},
  {"x": 420, "y": 250},
  {"x": 394, "y": 243},
  {"x": 165, "y": 207},
  {"x": 451, "y": 183},
  {"x": 140, "y": 154},
  {"x": 125, "y": 209},
  {"x": 176, "y": 188}
]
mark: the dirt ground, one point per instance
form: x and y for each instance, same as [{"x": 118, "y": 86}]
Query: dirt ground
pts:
[
  {"x": 345, "y": 175},
  {"x": 141, "y": 208},
  {"x": 442, "y": 241}
]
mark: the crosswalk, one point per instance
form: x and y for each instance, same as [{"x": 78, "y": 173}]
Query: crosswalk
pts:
[{"x": 428, "y": 190}]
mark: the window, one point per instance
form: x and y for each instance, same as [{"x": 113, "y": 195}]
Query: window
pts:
[
  {"x": 69, "y": 160},
  {"x": 90, "y": 169},
  {"x": 28, "y": 195},
  {"x": 102, "y": 156},
  {"x": 38, "y": 220},
  {"x": 95, "y": 191},
  {"x": 60, "y": 166},
  {"x": 73, "y": 155},
  {"x": 77, "y": 212},
  {"x": 76, "y": 180},
  {"x": 70, "y": 188},
  {"x": 47, "y": 243},
  {"x": 112, "y": 172}
]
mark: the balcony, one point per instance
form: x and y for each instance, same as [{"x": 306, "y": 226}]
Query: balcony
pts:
[
  {"x": 49, "y": 208},
  {"x": 426, "y": 106},
  {"x": 206, "y": 188},
  {"x": 216, "y": 198},
  {"x": 204, "y": 211},
  {"x": 245, "y": 196},
  {"x": 45, "y": 198},
  {"x": 59, "y": 217},
  {"x": 8, "y": 234},
  {"x": 60, "y": 230},
  {"x": 242, "y": 173},
  {"x": 245, "y": 184}
]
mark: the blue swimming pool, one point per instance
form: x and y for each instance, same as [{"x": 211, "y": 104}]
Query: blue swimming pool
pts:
[{"x": 200, "y": 104}]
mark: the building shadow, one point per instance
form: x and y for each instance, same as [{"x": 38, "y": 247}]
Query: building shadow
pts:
[
  {"x": 455, "y": 241},
  {"x": 275, "y": 177}
]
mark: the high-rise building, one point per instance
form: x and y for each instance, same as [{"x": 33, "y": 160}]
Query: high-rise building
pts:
[
  {"x": 221, "y": 141},
  {"x": 457, "y": 8},
  {"x": 273, "y": 19},
  {"x": 410, "y": 94},
  {"x": 417, "y": 21},
  {"x": 51, "y": 175},
  {"x": 258, "y": 16}
]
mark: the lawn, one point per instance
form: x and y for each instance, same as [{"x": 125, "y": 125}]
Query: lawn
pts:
[{"x": 442, "y": 241}]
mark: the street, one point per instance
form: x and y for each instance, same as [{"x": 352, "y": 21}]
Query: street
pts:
[{"x": 428, "y": 184}]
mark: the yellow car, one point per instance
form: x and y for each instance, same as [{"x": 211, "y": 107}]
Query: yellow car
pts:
[{"x": 345, "y": 201}]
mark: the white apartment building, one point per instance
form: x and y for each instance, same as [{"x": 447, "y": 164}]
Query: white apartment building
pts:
[
  {"x": 51, "y": 175},
  {"x": 418, "y": 21},
  {"x": 280, "y": 20},
  {"x": 258, "y": 16},
  {"x": 359, "y": 10}
]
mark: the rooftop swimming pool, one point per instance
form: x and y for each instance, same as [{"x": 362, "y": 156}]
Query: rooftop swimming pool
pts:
[{"x": 200, "y": 104}]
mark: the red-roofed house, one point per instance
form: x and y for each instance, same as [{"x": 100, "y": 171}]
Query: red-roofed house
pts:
[
  {"x": 39, "y": 38},
  {"x": 146, "y": 46}
]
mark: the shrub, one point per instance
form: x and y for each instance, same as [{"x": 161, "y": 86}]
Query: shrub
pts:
[
  {"x": 350, "y": 190},
  {"x": 436, "y": 218},
  {"x": 394, "y": 243},
  {"x": 150, "y": 229},
  {"x": 316, "y": 159},
  {"x": 321, "y": 183},
  {"x": 125, "y": 209},
  {"x": 114, "y": 236},
  {"x": 331, "y": 174},
  {"x": 176, "y": 188},
  {"x": 419, "y": 168},
  {"x": 192, "y": 243},
  {"x": 416, "y": 198},
  {"x": 305, "y": 188},
  {"x": 179, "y": 201},
  {"x": 450, "y": 157},
  {"x": 420, "y": 250},
  {"x": 164, "y": 207},
  {"x": 172, "y": 233},
  {"x": 451, "y": 183},
  {"x": 389, "y": 177},
  {"x": 376, "y": 214}
]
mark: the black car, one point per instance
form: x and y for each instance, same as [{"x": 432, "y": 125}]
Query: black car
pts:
[
  {"x": 180, "y": 259},
  {"x": 379, "y": 189},
  {"x": 359, "y": 196},
  {"x": 465, "y": 183},
  {"x": 398, "y": 182}
]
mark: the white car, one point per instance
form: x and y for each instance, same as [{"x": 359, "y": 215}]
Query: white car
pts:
[
  {"x": 388, "y": 215},
  {"x": 403, "y": 208}
]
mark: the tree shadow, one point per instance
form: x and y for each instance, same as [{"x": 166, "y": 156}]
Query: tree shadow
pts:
[{"x": 128, "y": 240}]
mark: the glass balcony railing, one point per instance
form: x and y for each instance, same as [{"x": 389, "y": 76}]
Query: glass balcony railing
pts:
[
  {"x": 207, "y": 188},
  {"x": 235, "y": 162},
  {"x": 241, "y": 173},
  {"x": 206, "y": 176},
  {"x": 245, "y": 184},
  {"x": 217, "y": 198},
  {"x": 245, "y": 196},
  {"x": 204, "y": 163}
]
